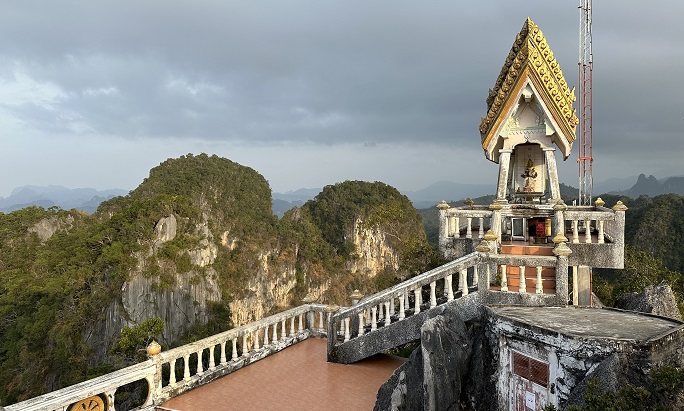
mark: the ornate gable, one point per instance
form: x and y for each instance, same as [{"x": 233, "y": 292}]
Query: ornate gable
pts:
[{"x": 530, "y": 65}]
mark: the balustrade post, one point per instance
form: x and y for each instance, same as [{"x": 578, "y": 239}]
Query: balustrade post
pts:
[
  {"x": 266, "y": 336},
  {"x": 374, "y": 324},
  {"x": 504, "y": 279},
  {"x": 186, "y": 372},
  {"x": 172, "y": 373},
  {"x": 481, "y": 233},
  {"x": 575, "y": 231},
  {"x": 402, "y": 314},
  {"x": 388, "y": 319},
  {"x": 433, "y": 297},
  {"x": 381, "y": 313},
  {"x": 292, "y": 326},
  {"x": 464, "y": 282},
  {"x": 110, "y": 398},
  {"x": 540, "y": 286},
  {"x": 320, "y": 320},
  {"x": 234, "y": 353},
  {"x": 587, "y": 231},
  {"x": 448, "y": 280},
  {"x": 523, "y": 285},
  {"x": 416, "y": 294},
  {"x": 457, "y": 229},
  {"x": 600, "y": 232},
  {"x": 274, "y": 337},
  {"x": 391, "y": 307},
  {"x": 212, "y": 358},
  {"x": 255, "y": 346},
  {"x": 347, "y": 335},
  {"x": 224, "y": 360},
  {"x": 244, "y": 344},
  {"x": 283, "y": 333},
  {"x": 361, "y": 324},
  {"x": 562, "y": 251},
  {"x": 443, "y": 226},
  {"x": 575, "y": 291},
  {"x": 300, "y": 327},
  {"x": 469, "y": 228},
  {"x": 200, "y": 368}
]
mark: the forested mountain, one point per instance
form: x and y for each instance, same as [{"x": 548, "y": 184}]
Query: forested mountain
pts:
[
  {"x": 194, "y": 250},
  {"x": 654, "y": 250}
]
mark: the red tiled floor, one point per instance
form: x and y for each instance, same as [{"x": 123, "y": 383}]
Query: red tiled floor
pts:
[{"x": 297, "y": 378}]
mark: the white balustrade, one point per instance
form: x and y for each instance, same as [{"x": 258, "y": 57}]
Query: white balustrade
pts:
[
  {"x": 433, "y": 296},
  {"x": 504, "y": 278},
  {"x": 523, "y": 284},
  {"x": 587, "y": 231},
  {"x": 469, "y": 228},
  {"x": 540, "y": 287}
]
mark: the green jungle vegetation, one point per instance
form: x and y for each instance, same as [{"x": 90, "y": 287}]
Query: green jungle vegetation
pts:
[{"x": 55, "y": 291}]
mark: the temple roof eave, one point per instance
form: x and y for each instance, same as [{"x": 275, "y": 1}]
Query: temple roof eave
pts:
[{"x": 530, "y": 58}]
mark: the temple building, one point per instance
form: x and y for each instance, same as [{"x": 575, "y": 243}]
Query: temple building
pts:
[{"x": 500, "y": 325}]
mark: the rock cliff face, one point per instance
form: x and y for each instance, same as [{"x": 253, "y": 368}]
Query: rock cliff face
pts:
[
  {"x": 207, "y": 253},
  {"x": 374, "y": 251}
]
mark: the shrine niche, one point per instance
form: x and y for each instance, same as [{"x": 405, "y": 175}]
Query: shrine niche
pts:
[{"x": 529, "y": 173}]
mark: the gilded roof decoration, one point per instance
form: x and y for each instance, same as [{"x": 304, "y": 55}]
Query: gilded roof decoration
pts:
[{"x": 531, "y": 57}]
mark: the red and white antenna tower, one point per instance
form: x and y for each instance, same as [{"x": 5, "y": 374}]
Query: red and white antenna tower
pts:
[{"x": 585, "y": 159}]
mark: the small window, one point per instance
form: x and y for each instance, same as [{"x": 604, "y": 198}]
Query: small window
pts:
[{"x": 531, "y": 369}]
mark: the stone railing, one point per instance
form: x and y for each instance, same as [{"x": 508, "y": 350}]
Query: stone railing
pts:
[
  {"x": 403, "y": 300},
  {"x": 596, "y": 235},
  {"x": 173, "y": 372}
]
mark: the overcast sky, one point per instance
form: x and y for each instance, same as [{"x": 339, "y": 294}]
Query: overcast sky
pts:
[{"x": 311, "y": 92}]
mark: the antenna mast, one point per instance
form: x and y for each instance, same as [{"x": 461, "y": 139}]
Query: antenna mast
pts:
[{"x": 585, "y": 159}]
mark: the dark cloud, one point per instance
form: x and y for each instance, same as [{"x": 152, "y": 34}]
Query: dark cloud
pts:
[{"x": 327, "y": 73}]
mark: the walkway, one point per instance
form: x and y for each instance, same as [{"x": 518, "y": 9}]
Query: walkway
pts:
[{"x": 297, "y": 378}]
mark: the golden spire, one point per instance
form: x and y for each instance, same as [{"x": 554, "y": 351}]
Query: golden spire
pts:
[{"x": 530, "y": 57}]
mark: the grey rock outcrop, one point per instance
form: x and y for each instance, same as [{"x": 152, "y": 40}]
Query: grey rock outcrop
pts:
[
  {"x": 437, "y": 375},
  {"x": 48, "y": 227},
  {"x": 656, "y": 299}
]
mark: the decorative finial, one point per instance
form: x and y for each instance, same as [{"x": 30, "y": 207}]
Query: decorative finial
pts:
[
  {"x": 619, "y": 207},
  {"x": 490, "y": 236},
  {"x": 153, "y": 348},
  {"x": 560, "y": 206},
  {"x": 599, "y": 202},
  {"x": 469, "y": 201},
  {"x": 559, "y": 238},
  {"x": 333, "y": 308},
  {"x": 356, "y": 295},
  {"x": 495, "y": 206},
  {"x": 562, "y": 250},
  {"x": 443, "y": 205},
  {"x": 483, "y": 248}
]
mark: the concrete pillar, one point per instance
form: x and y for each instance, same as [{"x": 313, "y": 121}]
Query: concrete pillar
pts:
[
  {"x": 504, "y": 168},
  {"x": 584, "y": 286},
  {"x": 554, "y": 184},
  {"x": 443, "y": 227},
  {"x": 562, "y": 251}
]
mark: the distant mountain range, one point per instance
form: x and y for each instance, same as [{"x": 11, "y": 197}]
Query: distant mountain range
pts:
[{"x": 87, "y": 199}]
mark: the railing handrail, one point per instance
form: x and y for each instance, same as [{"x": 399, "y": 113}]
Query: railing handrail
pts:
[
  {"x": 420, "y": 280},
  {"x": 82, "y": 390},
  {"x": 529, "y": 260},
  {"x": 607, "y": 215},
  {"x": 147, "y": 369},
  {"x": 241, "y": 330}
]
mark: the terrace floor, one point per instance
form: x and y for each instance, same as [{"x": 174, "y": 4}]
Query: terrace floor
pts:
[{"x": 297, "y": 378}]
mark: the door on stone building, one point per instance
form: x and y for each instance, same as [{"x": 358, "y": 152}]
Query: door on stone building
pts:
[
  {"x": 519, "y": 228},
  {"x": 529, "y": 383}
]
